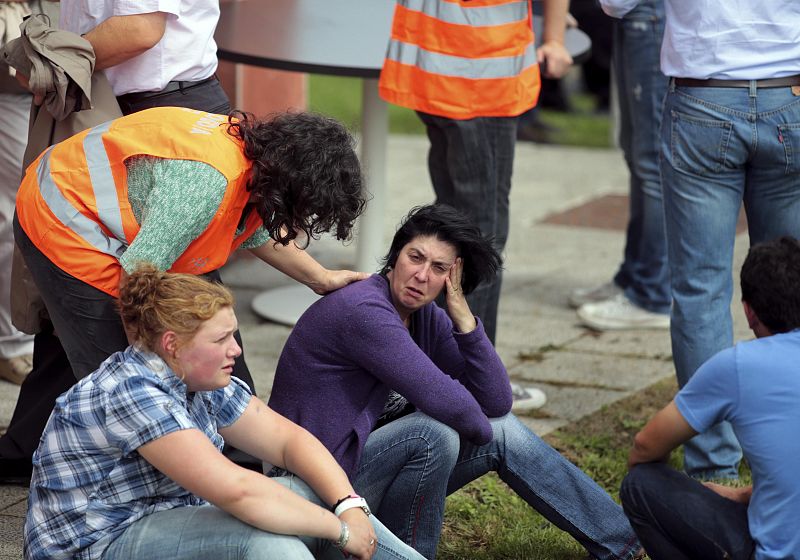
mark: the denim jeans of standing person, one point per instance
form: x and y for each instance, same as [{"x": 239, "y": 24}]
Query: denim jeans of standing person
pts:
[
  {"x": 643, "y": 274},
  {"x": 470, "y": 164},
  {"x": 721, "y": 146},
  {"x": 677, "y": 518},
  {"x": 207, "y": 532},
  {"x": 410, "y": 465}
]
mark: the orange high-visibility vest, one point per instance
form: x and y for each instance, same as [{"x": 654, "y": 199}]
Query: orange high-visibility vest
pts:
[
  {"x": 73, "y": 202},
  {"x": 462, "y": 59}
]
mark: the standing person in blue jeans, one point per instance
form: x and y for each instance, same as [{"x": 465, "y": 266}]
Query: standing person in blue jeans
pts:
[
  {"x": 130, "y": 463},
  {"x": 639, "y": 295},
  {"x": 413, "y": 401},
  {"x": 729, "y": 135},
  {"x": 756, "y": 386}
]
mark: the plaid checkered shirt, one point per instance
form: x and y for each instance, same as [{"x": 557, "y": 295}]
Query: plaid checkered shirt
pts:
[{"x": 89, "y": 483}]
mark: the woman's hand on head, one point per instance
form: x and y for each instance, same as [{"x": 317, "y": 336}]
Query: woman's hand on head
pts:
[
  {"x": 457, "y": 306},
  {"x": 363, "y": 542},
  {"x": 334, "y": 279}
]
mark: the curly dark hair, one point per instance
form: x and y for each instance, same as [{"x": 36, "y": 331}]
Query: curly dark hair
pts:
[
  {"x": 770, "y": 278},
  {"x": 306, "y": 175},
  {"x": 445, "y": 223}
]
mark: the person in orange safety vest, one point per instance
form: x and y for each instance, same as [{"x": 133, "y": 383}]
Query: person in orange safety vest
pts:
[{"x": 180, "y": 189}]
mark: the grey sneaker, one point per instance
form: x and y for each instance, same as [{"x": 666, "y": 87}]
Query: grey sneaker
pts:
[
  {"x": 596, "y": 294},
  {"x": 619, "y": 313},
  {"x": 526, "y": 398}
]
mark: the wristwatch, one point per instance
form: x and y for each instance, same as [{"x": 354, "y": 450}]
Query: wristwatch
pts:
[{"x": 350, "y": 502}]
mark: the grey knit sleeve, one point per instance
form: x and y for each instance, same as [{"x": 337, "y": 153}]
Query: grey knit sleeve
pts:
[{"x": 173, "y": 201}]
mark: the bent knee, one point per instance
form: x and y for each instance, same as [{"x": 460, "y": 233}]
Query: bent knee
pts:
[
  {"x": 422, "y": 436},
  {"x": 643, "y": 482}
]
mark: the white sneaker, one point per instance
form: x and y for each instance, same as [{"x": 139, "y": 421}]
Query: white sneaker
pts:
[
  {"x": 620, "y": 313},
  {"x": 526, "y": 398},
  {"x": 596, "y": 294}
]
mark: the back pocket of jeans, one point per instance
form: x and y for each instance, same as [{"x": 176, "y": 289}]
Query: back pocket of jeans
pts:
[
  {"x": 789, "y": 136},
  {"x": 698, "y": 145}
]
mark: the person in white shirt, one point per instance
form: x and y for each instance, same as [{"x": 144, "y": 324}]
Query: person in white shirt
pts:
[
  {"x": 154, "y": 52},
  {"x": 730, "y": 134}
]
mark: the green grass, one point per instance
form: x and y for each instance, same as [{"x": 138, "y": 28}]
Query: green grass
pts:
[
  {"x": 341, "y": 98},
  {"x": 487, "y": 521}
]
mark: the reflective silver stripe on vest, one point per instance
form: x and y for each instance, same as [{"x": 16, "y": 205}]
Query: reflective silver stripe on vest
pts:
[
  {"x": 105, "y": 190},
  {"x": 448, "y": 65},
  {"x": 66, "y": 213},
  {"x": 478, "y": 16}
]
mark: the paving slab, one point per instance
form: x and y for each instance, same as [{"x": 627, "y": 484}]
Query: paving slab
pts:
[
  {"x": 571, "y": 403},
  {"x": 11, "y": 495},
  {"x": 11, "y": 537},
  {"x": 568, "y": 369}
]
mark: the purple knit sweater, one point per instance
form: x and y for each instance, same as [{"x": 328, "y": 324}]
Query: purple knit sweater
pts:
[{"x": 351, "y": 347}]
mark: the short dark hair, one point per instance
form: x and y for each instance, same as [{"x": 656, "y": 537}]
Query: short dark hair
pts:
[
  {"x": 445, "y": 223},
  {"x": 306, "y": 175},
  {"x": 770, "y": 282}
]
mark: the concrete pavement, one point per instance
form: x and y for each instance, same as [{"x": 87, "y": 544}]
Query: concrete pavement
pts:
[{"x": 539, "y": 337}]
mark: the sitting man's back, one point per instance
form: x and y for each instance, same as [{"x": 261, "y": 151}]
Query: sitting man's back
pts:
[{"x": 756, "y": 387}]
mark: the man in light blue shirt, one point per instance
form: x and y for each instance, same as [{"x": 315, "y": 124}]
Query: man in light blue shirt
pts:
[
  {"x": 756, "y": 387},
  {"x": 729, "y": 135}
]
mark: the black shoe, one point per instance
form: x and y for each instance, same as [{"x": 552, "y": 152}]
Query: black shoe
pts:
[{"x": 15, "y": 471}]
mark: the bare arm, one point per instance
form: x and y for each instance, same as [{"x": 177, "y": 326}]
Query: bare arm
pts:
[
  {"x": 299, "y": 265},
  {"x": 663, "y": 433},
  {"x": 254, "y": 498},
  {"x": 121, "y": 38},
  {"x": 552, "y": 53}
]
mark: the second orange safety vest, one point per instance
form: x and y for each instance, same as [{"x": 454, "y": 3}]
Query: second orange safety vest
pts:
[
  {"x": 462, "y": 59},
  {"x": 73, "y": 201}
]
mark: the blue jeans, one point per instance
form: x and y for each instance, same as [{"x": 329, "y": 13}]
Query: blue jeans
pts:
[
  {"x": 410, "y": 465},
  {"x": 721, "y": 147},
  {"x": 207, "y": 532},
  {"x": 677, "y": 518},
  {"x": 470, "y": 164},
  {"x": 644, "y": 274}
]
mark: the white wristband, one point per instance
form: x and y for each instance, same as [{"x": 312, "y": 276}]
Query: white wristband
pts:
[{"x": 351, "y": 503}]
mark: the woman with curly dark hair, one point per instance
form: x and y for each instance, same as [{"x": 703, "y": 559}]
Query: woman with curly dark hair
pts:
[{"x": 179, "y": 189}]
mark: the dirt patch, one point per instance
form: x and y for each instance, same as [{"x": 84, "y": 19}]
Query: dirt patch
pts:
[{"x": 614, "y": 425}]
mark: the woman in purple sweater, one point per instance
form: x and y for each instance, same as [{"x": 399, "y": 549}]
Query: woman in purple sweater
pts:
[{"x": 413, "y": 401}]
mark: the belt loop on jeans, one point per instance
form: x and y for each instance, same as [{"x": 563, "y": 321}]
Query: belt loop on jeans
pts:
[{"x": 786, "y": 81}]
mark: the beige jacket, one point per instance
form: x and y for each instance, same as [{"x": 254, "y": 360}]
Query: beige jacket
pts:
[{"x": 60, "y": 67}]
